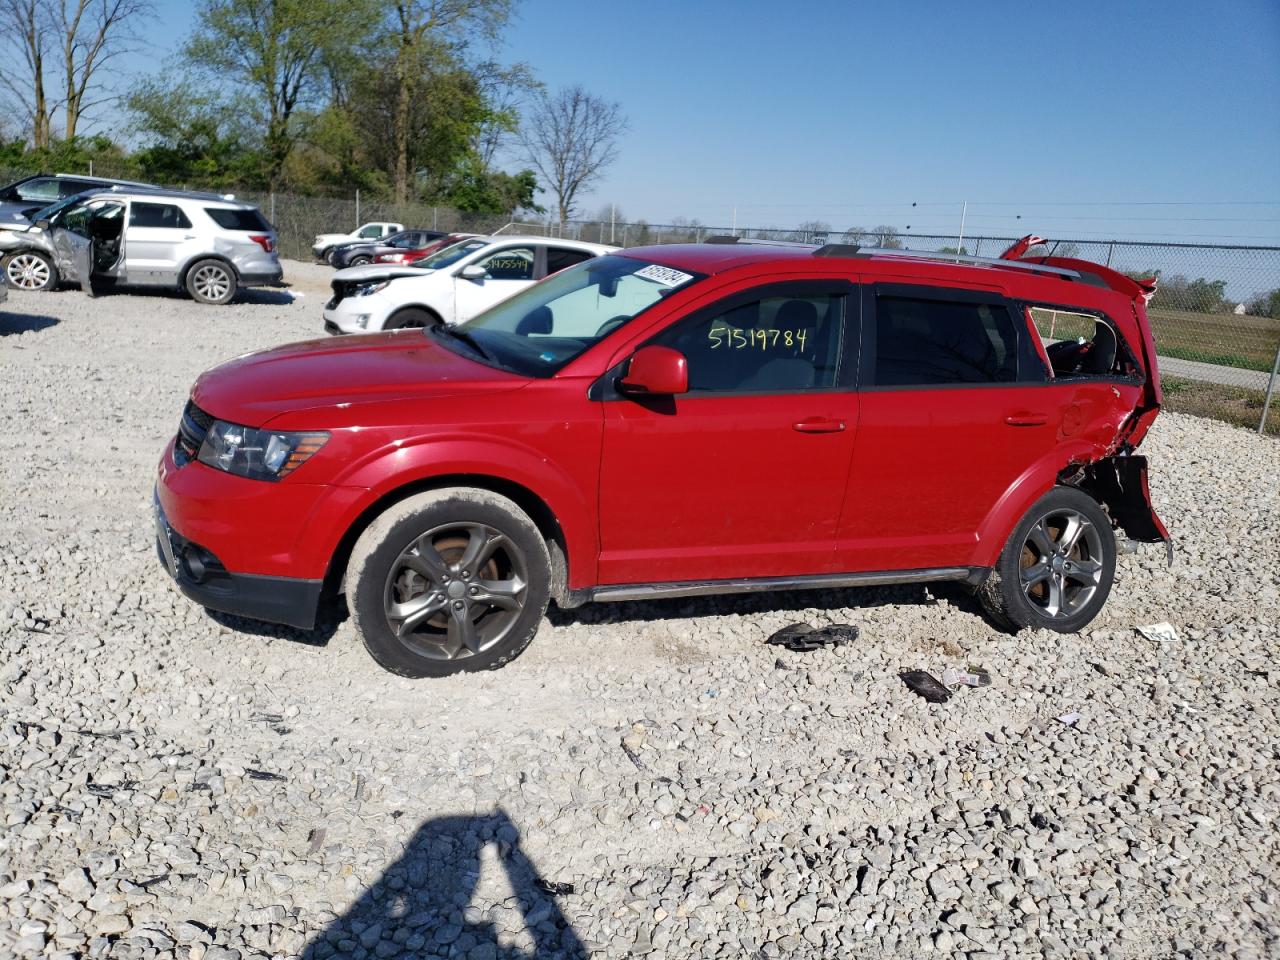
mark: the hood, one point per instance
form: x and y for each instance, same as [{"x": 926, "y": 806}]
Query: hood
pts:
[
  {"x": 256, "y": 387},
  {"x": 378, "y": 271}
]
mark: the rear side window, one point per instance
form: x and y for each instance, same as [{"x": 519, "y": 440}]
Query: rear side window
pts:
[
  {"x": 157, "y": 215},
  {"x": 42, "y": 188},
  {"x": 559, "y": 258},
  {"x": 921, "y": 342},
  {"x": 238, "y": 219},
  {"x": 1080, "y": 344}
]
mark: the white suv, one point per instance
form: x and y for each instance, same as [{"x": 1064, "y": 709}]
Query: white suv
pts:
[
  {"x": 207, "y": 244},
  {"x": 451, "y": 286}
]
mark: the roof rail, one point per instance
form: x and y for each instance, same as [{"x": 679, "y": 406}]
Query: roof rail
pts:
[
  {"x": 731, "y": 238},
  {"x": 846, "y": 250}
]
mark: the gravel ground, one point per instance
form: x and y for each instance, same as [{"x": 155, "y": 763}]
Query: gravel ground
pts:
[{"x": 648, "y": 779}]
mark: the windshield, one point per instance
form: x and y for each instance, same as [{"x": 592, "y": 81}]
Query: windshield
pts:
[
  {"x": 451, "y": 255},
  {"x": 543, "y": 327}
]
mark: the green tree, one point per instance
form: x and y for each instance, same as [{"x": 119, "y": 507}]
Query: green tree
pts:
[
  {"x": 1265, "y": 305},
  {"x": 193, "y": 138},
  {"x": 283, "y": 55},
  {"x": 427, "y": 32}
]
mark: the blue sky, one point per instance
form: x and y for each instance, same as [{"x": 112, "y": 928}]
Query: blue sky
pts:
[{"x": 1129, "y": 120}]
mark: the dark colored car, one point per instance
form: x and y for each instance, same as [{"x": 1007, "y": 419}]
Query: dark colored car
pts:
[
  {"x": 20, "y": 199},
  {"x": 362, "y": 252},
  {"x": 672, "y": 421}
]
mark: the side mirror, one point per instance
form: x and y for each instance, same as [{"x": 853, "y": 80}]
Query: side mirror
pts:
[
  {"x": 656, "y": 371},
  {"x": 42, "y": 223},
  {"x": 472, "y": 271}
]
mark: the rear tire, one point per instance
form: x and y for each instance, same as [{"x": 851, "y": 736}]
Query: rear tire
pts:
[
  {"x": 448, "y": 581},
  {"x": 411, "y": 317},
  {"x": 1057, "y": 569},
  {"x": 211, "y": 281},
  {"x": 30, "y": 270}
]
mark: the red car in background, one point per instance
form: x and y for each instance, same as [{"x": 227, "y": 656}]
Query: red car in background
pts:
[
  {"x": 409, "y": 257},
  {"x": 678, "y": 420}
]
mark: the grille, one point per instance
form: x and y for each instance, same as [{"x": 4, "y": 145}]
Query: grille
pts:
[{"x": 194, "y": 425}]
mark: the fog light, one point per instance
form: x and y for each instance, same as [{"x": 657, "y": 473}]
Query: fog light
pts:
[
  {"x": 362, "y": 320},
  {"x": 194, "y": 563}
]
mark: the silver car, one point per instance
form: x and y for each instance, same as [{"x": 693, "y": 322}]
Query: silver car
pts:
[{"x": 207, "y": 244}]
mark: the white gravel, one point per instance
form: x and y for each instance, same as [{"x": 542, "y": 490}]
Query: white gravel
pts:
[{"x": 175, "y": 785}]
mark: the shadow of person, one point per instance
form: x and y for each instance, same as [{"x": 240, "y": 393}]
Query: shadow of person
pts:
[{"x": 430, "y": 902}]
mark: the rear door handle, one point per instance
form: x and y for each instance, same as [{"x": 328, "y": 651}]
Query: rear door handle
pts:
[
  {"x": 818, "y": 425},
  {"x": 1024, "y": 418}
]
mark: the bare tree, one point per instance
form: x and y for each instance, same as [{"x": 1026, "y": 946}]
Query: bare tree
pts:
[
  {"x": 571, "y": 138},
  {"x": 886, "y": 237},
  {"x": 23, "y": 51},
  {"x": 93, "y": 33}
]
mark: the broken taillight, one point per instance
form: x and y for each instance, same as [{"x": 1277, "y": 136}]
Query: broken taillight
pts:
[{"x": 264, "y": 241}]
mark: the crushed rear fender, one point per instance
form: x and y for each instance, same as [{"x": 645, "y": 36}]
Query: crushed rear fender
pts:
[{"x": 1119, "y": 483}]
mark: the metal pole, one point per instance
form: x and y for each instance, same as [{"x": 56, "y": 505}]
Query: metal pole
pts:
[
  {"x": 960, "y": 242},
  {"x": 435, "y": 218},
  {"x": 357, "y": 226},
  {"x": 1271, "y": 389},
  {"x": 613, "y": 219},
  {"x": 1111, "y": 248},
  {"x": 273, "y": 207},
  {"x": 735, "y": 220}
]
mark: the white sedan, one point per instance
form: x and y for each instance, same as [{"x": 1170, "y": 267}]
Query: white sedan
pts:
[{"x": 451, "y": 286}]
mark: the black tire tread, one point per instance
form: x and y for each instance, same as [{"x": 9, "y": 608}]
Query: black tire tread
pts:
[{"x": 358, "y": 567}]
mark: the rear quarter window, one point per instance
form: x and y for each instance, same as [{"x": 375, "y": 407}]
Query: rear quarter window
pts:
[{"x": 233, "y": 219}]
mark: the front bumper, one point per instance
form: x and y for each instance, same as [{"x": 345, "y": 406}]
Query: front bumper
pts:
[
  {"x": 346, "y": 317},
  {"x": 200, "y": 575}
]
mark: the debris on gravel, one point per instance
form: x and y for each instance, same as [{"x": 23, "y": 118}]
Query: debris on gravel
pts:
[{"x": 649, "y": 779}]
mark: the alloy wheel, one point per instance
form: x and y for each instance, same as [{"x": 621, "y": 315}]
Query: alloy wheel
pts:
[
  {"x": 456, "y": 591},
  {"x": 212, "y": 282},
  {"x": 28, "y": 272},
  {"x": 1060, "y": 565}
]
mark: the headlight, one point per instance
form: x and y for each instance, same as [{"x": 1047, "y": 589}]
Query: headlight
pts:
[
  {"x": 367, "y": 288},
  {"x": 257, "y": 454}
]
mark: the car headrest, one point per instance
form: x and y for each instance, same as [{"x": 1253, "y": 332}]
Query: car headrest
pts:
[
  {"x": 796, "y": 315},
  {"x": 537, "y": 320}
]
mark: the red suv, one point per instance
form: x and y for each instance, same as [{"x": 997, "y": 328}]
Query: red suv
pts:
[{"x": 678, "y": 420}]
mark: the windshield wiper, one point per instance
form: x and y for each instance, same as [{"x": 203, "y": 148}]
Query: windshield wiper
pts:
[{"x": 466, "y": 338}]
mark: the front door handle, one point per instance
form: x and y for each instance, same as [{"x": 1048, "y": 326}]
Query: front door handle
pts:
[
  {"x": 818, "y": 425},
  {"x": 1025, "y": 418}
]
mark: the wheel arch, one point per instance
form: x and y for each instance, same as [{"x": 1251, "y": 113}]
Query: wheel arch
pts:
[
  {"x": 186, "y": 267},
  {"x": 532, "y": 503},
  {"x": 1056, "y": 468}
]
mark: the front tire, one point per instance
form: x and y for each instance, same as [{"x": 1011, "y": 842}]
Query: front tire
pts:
[
  {"x": 358, "y": 261},
  {"x": 1057, "y": 569},
  {"x": 411, "y": 317},
  {"x": 30, "y": 270},
  {"x": 211, "y": 281},
  {"x": 448, "y": 581}
]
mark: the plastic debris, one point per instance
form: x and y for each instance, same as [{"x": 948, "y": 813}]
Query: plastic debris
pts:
[
  {"x": 972, "y": 677},
  {"x": 1162, "y": 632},
  {"x": 1070, "y": 719},
  {"x": 265, "y": 775},
  {"x": 926, "y": 685},
  {"x": 553, "y": 887},
  {"x": 802, "y": 638}
]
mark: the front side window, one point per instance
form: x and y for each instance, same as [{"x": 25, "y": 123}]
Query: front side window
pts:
[
  {"x": 368, "y": 233},
  {"x": 543, "y": 327},
  {"x": 923, "y": 342},
  {"x": 164, "y": 215},
  {"x": 514, "y": 263},
  {"x": 777, "y": 344}
]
